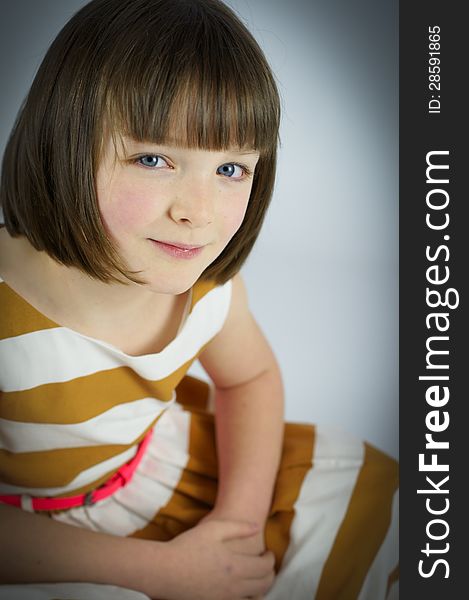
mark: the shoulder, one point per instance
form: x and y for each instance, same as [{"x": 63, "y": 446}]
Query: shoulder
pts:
[
  {"x": 14, "y": 279},
  {"x": 240, "y": 351},
  {"x": 227, "y": 300},
  {"x": 20, "y": 263},
  {"x": 7, "y": 254},
  {"x": 204, "y": 290}
]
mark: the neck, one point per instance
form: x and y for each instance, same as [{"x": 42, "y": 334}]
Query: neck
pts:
[
  {"x": 101, "y": 300},
  {"x": 70, "y": 290}
]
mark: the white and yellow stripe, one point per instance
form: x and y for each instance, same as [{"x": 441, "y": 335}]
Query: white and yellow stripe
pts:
[
  {"x": 65, "y": 428},
  {"x": 74, "y": 408}
]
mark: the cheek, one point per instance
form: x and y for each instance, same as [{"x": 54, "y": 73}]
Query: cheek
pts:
[
  {"x": 127, "y": 209},
  {"x": 233, "y": 218}
]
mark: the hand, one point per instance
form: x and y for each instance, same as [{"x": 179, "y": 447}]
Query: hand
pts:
[
  {"x": 209, "y": 567},
  {"x": 253, "y": 545}
]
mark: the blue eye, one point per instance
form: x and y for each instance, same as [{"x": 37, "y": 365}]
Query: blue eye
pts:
[
  {"x": 231, "y": 170},
  {"x": 152, "y": 161}
]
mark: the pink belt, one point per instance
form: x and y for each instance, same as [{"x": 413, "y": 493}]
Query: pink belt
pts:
[{"x": 118, "y": 480}]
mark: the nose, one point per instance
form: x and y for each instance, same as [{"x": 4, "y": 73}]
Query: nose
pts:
[{"x": 193, "y": 204}]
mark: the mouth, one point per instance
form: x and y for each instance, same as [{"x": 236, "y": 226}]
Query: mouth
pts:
[
  {"x": 177, "y": 245},
  {"x": 177, "y": 249}
]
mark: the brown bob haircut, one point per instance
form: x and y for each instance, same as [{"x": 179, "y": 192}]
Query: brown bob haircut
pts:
[{"x": 153, "y": 70}]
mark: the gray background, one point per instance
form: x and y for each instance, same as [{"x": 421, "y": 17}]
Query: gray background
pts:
[{"x": 323, "y": 278}]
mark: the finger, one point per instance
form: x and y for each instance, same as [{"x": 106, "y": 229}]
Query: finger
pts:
[
  {"x": 255, "y": 588},
  {"x": 255, "y": 567},
  {"x": 268, "y": 554}
]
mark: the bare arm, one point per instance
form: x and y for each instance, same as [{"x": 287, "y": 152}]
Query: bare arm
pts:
[
  {"x": 196, "y": 565},
  {"x": 37, "y": 549},
  {"x": 249, "y": 413}
]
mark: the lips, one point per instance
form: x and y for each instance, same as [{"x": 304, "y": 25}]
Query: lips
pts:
[
  {"x": 177, "y": 245},
  {"x": 177, "y": 250}
]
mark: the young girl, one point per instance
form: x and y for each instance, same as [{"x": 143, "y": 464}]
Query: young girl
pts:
[{"x": 133, "y": 188}]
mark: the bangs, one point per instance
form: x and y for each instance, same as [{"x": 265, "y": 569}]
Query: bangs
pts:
[{"x": 203, "y": 85}]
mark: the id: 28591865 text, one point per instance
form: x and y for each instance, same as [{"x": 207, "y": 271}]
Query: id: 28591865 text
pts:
[{"x": 434, "y": 70}]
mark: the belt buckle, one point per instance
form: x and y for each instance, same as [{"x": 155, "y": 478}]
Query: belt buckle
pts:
[{"x": 89, "y": 500}]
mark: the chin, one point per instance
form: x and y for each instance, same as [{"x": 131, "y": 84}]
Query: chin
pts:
[{"x": 172, "y": 285}]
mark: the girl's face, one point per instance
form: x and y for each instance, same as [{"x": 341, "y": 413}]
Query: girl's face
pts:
[{"x": 171, "y": 210}]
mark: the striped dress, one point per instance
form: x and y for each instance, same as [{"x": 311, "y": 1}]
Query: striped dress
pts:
[{"x": 73, "y": 410}]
